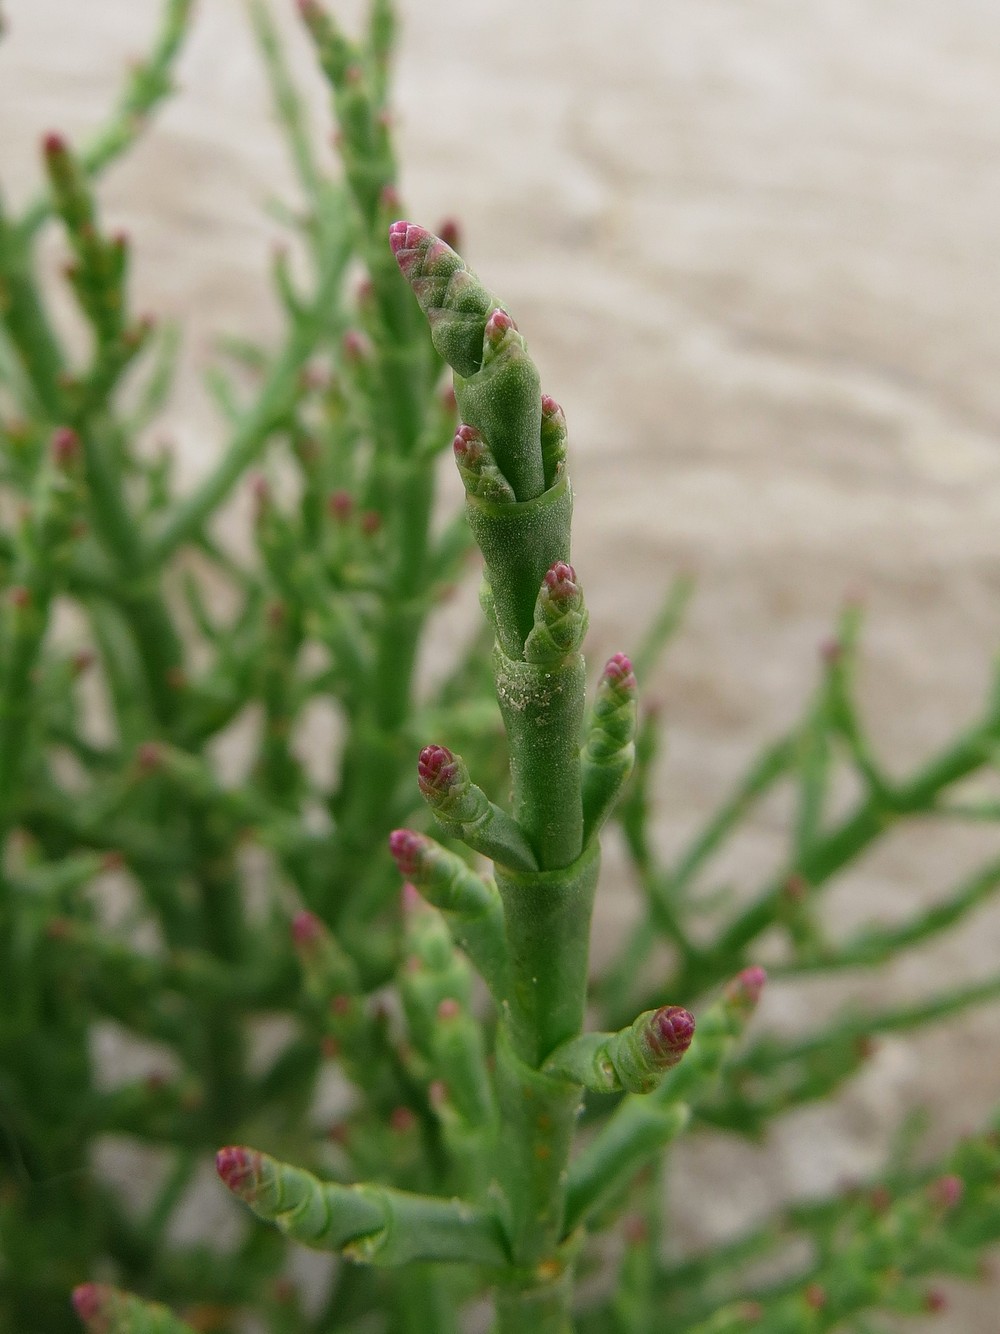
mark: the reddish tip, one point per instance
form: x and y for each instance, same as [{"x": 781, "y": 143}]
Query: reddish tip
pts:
[
  {"x": 389, "y": 199},
  {"x": 746, "y": 987},
  {"x": 307, "y": 930},
  {"x": 467, "y": 444},
  {"x": 65, "y": 446},
  {"x": 20, "y": 597},
  {"x": 670, "y": 1032},
  {"x": 618, "y": 672},
  {"x": 410, "y": 899},
  {"x": 90, "y": 1299},
  {"x": 449, "y": 1008},
  {"x": 450, "y": 232},
  {"x": 947, "y": 1191},
  {"x": 53, "y": 144},
  {"x": 238, "y": 1167},
  {"x": 398, "y": 236},
  {"x": 407, "y": 849},
  {"x": 356, "y": 347},
  {"x": 560, "y": 580},
  {"x": 148, "y": 757},
  {"x": 371, "y": 522},
  {"x": 437, "y": 770},
  {"x": 815, "y": 1297},
  {"x": 497, "y": 326},
  {"x": 402, "y": 1120},
  {"x": 341, "y": 505},
  {"x": 935, "y": 1301}
]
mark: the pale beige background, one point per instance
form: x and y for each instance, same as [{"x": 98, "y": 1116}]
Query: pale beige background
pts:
[{"x": 754, "y": 249}]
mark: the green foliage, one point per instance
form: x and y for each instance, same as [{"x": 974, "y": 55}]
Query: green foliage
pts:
[{"x": 459, "y": 1167}]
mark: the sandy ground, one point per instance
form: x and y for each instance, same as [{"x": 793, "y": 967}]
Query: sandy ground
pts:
[{"x": 753, "y": 248}]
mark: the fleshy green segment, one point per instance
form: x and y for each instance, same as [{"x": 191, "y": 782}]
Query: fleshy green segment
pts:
[
  {"x": 560, "y": 617},
  {"x": 464, "y": 811},
  {"x": 496, "y": 382},
  {"x": 373, "y": 1224},
  {"x": 105, "y": 1310},
  {"x": 609, "y": 750},
  {"x": 642, "y": 1125},
  {"x": 470, "y": 905},
  {"x": 634, "y": 1060}
]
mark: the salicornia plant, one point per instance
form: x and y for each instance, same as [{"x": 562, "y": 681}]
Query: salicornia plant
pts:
[{"x": 501, "y": 1114}]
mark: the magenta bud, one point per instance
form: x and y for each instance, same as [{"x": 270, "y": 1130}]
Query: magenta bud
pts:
[
  {"x": 341, "y": 505},
  {"x": 437, "y": 770},
  {"x": 65, "y": 446},
  {"x": 935, "y": 1301},
  {"x": 618, "y": 673},
  {"x": 560, "y": 580},
  {"x": 498, "y": 326},
  {"x": 389, "y": 200},
  {"x": 410, "y": 897},
  {"x": 815, "y": 1297},
  {"x": 449, "y": 1008},
  {"x": 450, "y": 232},
  {"x": 239, "y": 1168},
  {"x": 356, "y": 347},
  {"x": 468, "y": 444},
  {"x": 744, "y": 991},
  {"x": 669, "y": 1033},
  {"x": 90, "y": 1300},
  {"x": 54, "y": 145},
  {"x": 148, "y": 757},
  {"x": 947, "y": 1191},
  {"x": 407, "y": 850},
  {"x": 402, "y": 1120},
  {"x": 307, "y": 931}
]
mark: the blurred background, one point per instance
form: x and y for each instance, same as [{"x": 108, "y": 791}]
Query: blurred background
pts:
[{"x": 754, "y": 251}]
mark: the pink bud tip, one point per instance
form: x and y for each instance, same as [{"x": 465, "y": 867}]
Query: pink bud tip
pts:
[
  {"x": 467, "y": 444},
  {"x": 407, "y": 849},
  {"x": 618, "y": 672},
  {"x": 947, "y": 1191},
  {"x": 498, "y": 324},
  {"x": 935, "y": 1301},
  {"x": 746, "y": 987},
  {"x": 401, "y": 1120},
  {"x": 20, "y": 597},
  {"x": 550, "y": 408},
  {"x": 148, "y": 757},
  {"x": 53, "y": 144},
  {"x": 560, "y": 580},
  {"x": 636, "y": 1230},
  {"x": 449, "y": 232},
  {"x": 410, "y": 899},
  {"x": 340, "y": 504},
  {"x": 90, "y": 1299},
  {"x": 307, "y": 930},
  {"x": 815, "y": 1297},
  {"x": 238, "y": 1167},
  {"x": 398, "y": 234},
  {"x": 436, "y": 770},
  {"x": 65, "y": 446},
  {"x": 371, "y": 522},
  {"x": 449, "y": 1008},
  {"x": 670, "y": 1032},
  {"x": 356, "y": 346},
  {"x": 389, "y": 199}
]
